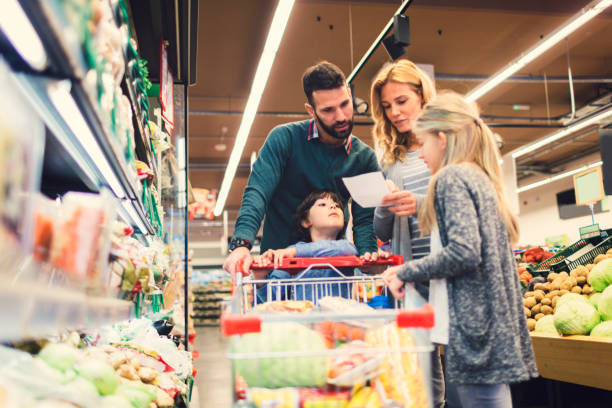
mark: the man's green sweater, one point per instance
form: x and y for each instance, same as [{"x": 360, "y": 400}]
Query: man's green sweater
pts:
[{"x": 292, "y": 164}]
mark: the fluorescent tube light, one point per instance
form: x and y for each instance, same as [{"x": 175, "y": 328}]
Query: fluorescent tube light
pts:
[
  {"x": 277, "y": 28},
  {"x": 578, "y": 20},
  {"x": 576, "y": 126},
  {"x": 130, "y": 215},
  {"x": 557, "y": 177},
  {"x": 17, "y": 27},
  {"x": 59, "y": 93}
]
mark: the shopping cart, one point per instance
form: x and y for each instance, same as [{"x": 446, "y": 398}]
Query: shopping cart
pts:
[{"x": 339, "y": 352}]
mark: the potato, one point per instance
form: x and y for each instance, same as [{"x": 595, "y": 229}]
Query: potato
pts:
[
  {"x": 589, "y": 266},
  {"x": 581, "y": 280},
  {"x": 547, "y": 310},
  {"x": 531, "y": 324},
  {"x": 552, "y": 276},
  {"x": 529, "y": 302},
  {"x": 564, "y": 275},
  {"x": 609, "y": 252},
  {"x": 599, "y": 258},
  {"x": 587, "y": 290},
  {"x": 567, "y": 284},
  {"x": 546, "y": 302},
  {"x": 556, "y": 285},
  {"x": 127, "y": 371},
  {"x": 576, "y": 289},
  {"x": 582, "y": 270},
  {"x": 563, "y": 292},
  {"x": 536, "y": 309},
  {"x": 554, "y": 301},
  {"x": 539, "y": 316},
  {"x": 147, "y": 374},
  {"x": 554, "y": 293},
  {"x": 538, "y": 295},
  {"x": 547, "y": 287},
  {"x": 528, "y": 294},
  {"x": 539, "y": 286},
  {"x": 574, "y": 272},
  {"x": 527, "y": 312}
]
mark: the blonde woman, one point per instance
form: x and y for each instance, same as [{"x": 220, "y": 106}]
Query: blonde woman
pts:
[
  {"x": 398, "y": 94},
  {"x": 471, "y": 259}
]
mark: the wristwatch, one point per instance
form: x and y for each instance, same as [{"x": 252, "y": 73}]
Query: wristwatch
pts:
[{"x": 239, "y": 242}]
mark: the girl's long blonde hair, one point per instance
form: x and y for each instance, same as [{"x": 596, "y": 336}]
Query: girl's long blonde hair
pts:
[
  {"x": 391, "y": 144},
  {"x": 468, "y": 140}
]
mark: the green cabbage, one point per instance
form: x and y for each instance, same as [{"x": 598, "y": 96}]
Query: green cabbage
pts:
[
  {"x": 546, "y": 325},
  {"x": 603, "y": 329},
  {"x": 604, "y": 304},
  {"x": 601, "y": 275},
  {"x": 570, "y": 297},
  {"x": 594, "y": 299},
  {"x": 140, "y": 396},
  {"x": 59, "y": 356},
  {"x": 102, "y": 375},
  {"x": 283, "y": 371},
  {"x": 575, "y": 317}
]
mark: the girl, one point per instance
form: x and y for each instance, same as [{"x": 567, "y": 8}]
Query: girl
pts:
[
  {"x": 398, "y": 94},
  {"x": 477, "y": 291},
  {"x": 319, "y": 230}
]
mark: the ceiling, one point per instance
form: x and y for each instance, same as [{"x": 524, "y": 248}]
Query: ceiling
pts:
[{"x": 460, "y": 39}]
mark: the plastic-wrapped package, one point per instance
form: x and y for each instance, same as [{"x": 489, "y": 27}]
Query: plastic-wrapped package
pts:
[
  {"x": 22, "y": 139},
  {"x": 81, "y": 239},
  {"x": 45, "y": 212}
]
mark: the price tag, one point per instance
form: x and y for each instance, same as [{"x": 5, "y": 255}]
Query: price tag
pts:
[
  {"x": 166, "y": 87},
  {"x": 589, "y": 231}
]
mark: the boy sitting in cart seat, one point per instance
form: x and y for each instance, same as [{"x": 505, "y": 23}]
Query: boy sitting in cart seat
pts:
[{"x": 319, "y": 229}]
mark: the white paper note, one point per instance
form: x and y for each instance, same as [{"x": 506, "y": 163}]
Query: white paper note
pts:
[{"x": 367, "y": 189}]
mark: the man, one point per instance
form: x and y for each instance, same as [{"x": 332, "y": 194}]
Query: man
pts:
[{"x": 298, "y": 158}]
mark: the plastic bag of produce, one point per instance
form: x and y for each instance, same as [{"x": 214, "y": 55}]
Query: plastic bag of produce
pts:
[
  {"x": 282, "y": 371},
  {"x": 601, "y": 275},
  {"x": 575, "y": 317}
]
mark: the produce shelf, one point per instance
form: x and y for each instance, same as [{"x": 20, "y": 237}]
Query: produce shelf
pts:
[
  {"x": 580, "y": 360},
  {"x": 34, "y": 310}
]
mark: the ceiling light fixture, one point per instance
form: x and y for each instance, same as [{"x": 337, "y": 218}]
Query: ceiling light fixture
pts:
[
  {"x": 578, "y": 20},
  {"x": 557, "y": 177},
  {"x": 19, "y": 30},
  {"x": 574, "y": 127},
  {"x": 277, "y": 28},
  {"x": 64, "y": 103}
]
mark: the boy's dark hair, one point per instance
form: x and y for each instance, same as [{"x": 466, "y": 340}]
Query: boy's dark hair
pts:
[
  {"x": 323, "y": 75},
  {"x": 301, "y": 214}
]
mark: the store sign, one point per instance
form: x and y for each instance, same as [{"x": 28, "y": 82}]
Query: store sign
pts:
[
  {"x": 166, "y": 87},
  {"x": 589, "y": 231}
]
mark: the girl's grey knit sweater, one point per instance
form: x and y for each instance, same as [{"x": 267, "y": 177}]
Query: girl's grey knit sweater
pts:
[{"x": 489, "y": 341}]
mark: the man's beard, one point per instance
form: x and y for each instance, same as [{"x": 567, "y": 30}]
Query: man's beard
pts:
[{"x": 331, "y": 130}]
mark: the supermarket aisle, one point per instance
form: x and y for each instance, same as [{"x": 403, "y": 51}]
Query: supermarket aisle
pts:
[{"x": 214, "y": 374}]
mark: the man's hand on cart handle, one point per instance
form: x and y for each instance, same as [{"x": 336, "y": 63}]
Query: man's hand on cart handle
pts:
[
  {"x": 239, "y": 261},
  {"x": 395, "y": 285}
]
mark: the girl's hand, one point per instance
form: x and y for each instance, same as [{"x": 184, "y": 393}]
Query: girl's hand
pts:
[
  {"x": 277, "y": 255},
  {"x": 402, "y": 203},
  {"x": 395, "y": 285}
]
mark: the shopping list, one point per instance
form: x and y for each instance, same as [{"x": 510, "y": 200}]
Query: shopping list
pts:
[{"x": 367, "y": 189}]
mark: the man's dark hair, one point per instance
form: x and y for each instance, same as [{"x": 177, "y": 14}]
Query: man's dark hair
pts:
[
  {"x": 301, "y": 214},
  {"x": 322, "y": 76}
]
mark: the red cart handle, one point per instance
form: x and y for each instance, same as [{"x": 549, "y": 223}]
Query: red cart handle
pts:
[{"x": 292, "y": 264}]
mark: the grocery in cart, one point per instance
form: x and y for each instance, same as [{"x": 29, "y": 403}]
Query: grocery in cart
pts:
[{"x": 299, "y": 344}]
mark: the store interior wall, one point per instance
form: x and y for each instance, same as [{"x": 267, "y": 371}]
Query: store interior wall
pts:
[{"x": 539, "y": 215}]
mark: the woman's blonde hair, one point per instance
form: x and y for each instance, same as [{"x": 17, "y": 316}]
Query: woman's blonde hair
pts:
[
  {"x": 468, "y": 140},
  {"x": 391, "y": 144}
]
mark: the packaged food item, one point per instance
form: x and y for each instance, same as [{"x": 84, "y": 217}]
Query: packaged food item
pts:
[
  {"x": 81, "y": 238},
  {"x": 277, "y": 398},
  {"x": 292, "y": 306},
  {"x": 327, "y": 398},
  {"x": 400, "y": 373},
  {"x": 356, "y": 363},
  {"x": 45, "y": 212}
]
